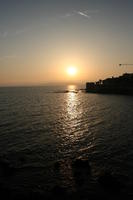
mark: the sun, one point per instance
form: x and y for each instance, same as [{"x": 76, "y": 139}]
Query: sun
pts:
[{"x": 71, "y": 70}]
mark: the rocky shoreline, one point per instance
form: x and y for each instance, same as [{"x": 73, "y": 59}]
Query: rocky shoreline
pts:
[{"x": 85, "y": 186}]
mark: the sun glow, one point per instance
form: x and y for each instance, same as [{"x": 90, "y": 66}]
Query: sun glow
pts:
[{"x": 71, "y": 71}]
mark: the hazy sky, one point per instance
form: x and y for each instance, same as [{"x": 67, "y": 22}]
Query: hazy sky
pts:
[{"x": 40, "y": 38}]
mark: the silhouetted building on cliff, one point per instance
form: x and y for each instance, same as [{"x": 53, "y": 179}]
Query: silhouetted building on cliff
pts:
[{"x": 115, "y": 85}]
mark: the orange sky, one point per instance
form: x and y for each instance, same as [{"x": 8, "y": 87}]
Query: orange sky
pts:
[{"x": 40, "y": 39}]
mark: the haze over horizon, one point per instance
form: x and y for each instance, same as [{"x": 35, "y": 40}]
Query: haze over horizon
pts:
[{"x": 40, "y": 39}]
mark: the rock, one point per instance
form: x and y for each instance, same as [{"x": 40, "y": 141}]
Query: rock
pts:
[
  {"x": 59, "y": 192},
  {"x": 81, "y": 163},
  {"x": 22, "y": 159},
  {"x": 110, "y": 182},
  {"x": 6, "y": 168},
  {"x": 5, "y": 193},
  {"x": 81, "y": 171},
  {"x": 57, "y": 165}
]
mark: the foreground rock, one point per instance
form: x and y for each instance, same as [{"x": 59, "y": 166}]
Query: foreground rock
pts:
[
  {"x": 6, "y": 168},
  {"x": 110, "y": 182},
  {"x": 59, "y": 192},
  {"x": 81, "y": 163},
  {"x": 81, "y": 170}
]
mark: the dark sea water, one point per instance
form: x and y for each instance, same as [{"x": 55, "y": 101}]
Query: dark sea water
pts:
[{"x": 42, "y": 125}]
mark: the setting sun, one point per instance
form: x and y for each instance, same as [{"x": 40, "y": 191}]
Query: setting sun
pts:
[{"x": 72, "y": 71}]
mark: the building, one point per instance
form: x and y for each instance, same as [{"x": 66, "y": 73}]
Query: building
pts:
[{"x": 115, "y": 85}]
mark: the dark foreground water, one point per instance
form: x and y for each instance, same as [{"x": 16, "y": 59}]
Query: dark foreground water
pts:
[{"x": 42, "y": 125}]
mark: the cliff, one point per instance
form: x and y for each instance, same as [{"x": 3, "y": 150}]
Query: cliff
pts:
[{"x": 115, "y": 85}]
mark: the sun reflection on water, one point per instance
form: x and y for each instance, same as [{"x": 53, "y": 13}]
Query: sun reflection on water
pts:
[
  {"x": 73, "y": 115},
  {"x": 72, "y": 102}
]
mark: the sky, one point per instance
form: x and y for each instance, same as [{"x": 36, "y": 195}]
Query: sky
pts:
[{"x": 39, "y": 39}]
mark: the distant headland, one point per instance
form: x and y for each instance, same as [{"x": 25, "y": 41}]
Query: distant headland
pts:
[{"x": 115, "y": 85}]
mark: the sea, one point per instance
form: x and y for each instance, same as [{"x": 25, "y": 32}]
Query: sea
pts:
[{"x": 41, "y": 126}]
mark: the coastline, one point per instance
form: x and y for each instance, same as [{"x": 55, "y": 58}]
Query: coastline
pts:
[{"x": 118, "y": 85}]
